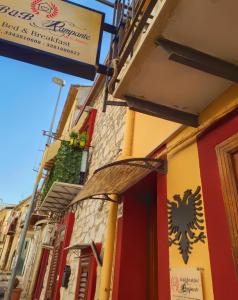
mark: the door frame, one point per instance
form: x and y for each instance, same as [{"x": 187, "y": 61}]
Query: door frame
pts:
[{"x": 224, "y": 152}]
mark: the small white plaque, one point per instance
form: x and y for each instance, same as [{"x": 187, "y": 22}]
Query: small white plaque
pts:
[{"x": 185, "y": 284}]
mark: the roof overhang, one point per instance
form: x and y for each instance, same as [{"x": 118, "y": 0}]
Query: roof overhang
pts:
[
  {"x": 59, "y": 197},
  {"x": 118, "y": 177},
  {"x": 185, "y": 60}
]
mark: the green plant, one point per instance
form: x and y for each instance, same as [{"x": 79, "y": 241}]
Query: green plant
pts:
[
  {"x": 83, "y": 138},
  {"x": 78, "y": 140},
  {"x": 73, "y": 138},
  {"x": 66, "y": 168}
]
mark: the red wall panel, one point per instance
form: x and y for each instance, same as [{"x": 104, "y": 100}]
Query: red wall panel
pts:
[{"x": 225, "y": 284}]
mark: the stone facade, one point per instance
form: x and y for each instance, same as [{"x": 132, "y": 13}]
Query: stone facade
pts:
[
  {"x": 108, "y": 134},
  {"x": 91, "y": 215}
]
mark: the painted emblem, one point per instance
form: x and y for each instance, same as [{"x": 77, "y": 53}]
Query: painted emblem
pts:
[
  {"x": 185, "y": 222},
  {"x": 48, "y": 8}
]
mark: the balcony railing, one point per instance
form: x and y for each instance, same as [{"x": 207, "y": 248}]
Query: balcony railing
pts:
[{"x": 130, "y": 19}]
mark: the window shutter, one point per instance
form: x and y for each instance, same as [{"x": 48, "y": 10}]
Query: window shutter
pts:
[
  {"x": 53, "y": 271},
  {"x": 83, "y": 279},
  {"x": 86, "y": 282}
]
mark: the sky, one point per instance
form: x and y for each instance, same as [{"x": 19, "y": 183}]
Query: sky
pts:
[{"x": 27, "y": 100}]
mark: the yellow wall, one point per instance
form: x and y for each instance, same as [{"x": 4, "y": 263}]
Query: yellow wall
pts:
[
  {"x": 149, "y": 132},
  {"x": 183, "y": 174},
  {"x": 222, "y": 103}
]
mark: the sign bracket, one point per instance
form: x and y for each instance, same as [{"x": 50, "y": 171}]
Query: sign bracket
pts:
[{"x": 109, "y": 28}]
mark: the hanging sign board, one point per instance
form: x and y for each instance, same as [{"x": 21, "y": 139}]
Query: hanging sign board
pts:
[
  {"x": 185, "y": 284},
  {"x": 52, "y": 33}
]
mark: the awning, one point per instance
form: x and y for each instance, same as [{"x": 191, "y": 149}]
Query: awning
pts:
[
  {"x": 59, "y": 197},
  {"x": 186, "y": 59},
  {"x": 119, "y": 176}
]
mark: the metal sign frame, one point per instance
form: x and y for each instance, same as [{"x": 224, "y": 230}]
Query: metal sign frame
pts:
[{"x": 53, "y": 61}]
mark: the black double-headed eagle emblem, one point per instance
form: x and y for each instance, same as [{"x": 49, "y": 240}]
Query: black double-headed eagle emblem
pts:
[{"x": 185, "y": 221}]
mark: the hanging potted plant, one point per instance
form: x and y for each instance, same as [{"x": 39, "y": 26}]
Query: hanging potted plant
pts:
[
  {"x": 73, "y": 139},
  {"x": 83, "y": 138}
]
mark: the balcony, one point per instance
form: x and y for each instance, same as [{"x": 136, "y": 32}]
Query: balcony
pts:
[
  {"x": 183, "y": 58},
  {"x": 12, "y": 227},
  {"x": 51, "y": 154},
  {"x": 59, "y": 197},
  {"x": 70, "y": 167},
  {"x": 35, "y": 217}
]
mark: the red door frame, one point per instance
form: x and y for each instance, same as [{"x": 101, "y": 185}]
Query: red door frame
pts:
[
  {"x": 129, "y": 257},
  {"x": 162, "y": 233},
  {"x": 41, "y": 274},
  {"x": 225, "y": 284}
]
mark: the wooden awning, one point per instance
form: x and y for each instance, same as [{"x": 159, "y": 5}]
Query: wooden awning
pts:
[
  {"x": 119, "y": 176},
  {"x": 59, "y": 197}
]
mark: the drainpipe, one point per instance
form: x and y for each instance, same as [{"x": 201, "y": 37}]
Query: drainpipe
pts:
[
  {"x": 129, "y": 134},
  {"x": 105, "y": 284}
]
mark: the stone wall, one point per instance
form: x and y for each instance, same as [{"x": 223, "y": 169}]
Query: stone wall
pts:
[
  {"x": 108, "y": 134},
  {"x": 91, "y": 215}
]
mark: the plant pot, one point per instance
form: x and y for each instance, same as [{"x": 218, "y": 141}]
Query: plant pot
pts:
[{"x": 16, "y": 294}]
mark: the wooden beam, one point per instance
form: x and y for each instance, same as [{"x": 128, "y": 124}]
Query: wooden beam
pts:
[
  {"x": 116, "y": 103},
  {"x": 162, "y": 111},
  {"x": 199, "y": 60}
]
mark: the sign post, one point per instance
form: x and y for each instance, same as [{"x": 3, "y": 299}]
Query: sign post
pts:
[{"x": 54, "y": 34}]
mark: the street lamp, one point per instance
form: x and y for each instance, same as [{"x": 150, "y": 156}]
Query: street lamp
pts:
[
  {"x": 61, "y": 83},
  {"x": 8, "y": 294}
]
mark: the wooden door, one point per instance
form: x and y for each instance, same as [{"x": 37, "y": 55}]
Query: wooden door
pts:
[{"x": 227, "y": 153}]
